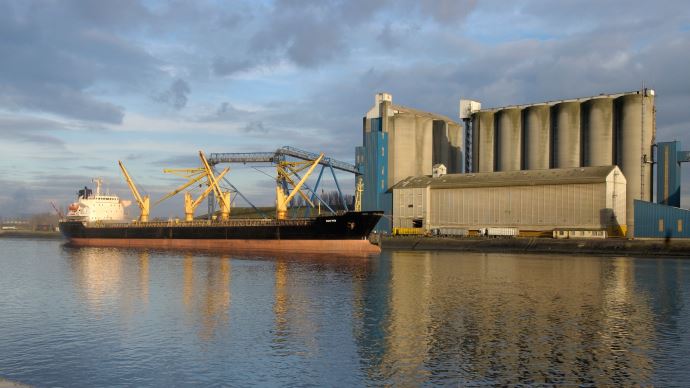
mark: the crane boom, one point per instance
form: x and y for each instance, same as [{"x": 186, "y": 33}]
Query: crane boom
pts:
[
  {"x": 190, "y": 204},
  {"x": 222, "y": 197},
  {"x": 295, "y": 190},
  {"x": 143, "y": 202},
  {"x": 208, "y": 190},
  {"x": 184, "y": 186},
  {"x": 213, "y": 181}
]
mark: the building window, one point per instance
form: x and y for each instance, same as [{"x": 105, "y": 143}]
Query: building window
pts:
[
  {"x": 661, "y": 224},
  {"x": 680, "y": 226}
]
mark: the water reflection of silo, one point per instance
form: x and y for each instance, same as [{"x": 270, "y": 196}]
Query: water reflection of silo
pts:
[
  {"x": 509, "y": 139},
  {"x": 537, "y": 121},
  {"x": 597, "y": 124},
  {"x": 504, "y": 320},
  {"x": 567, "y": 134}
]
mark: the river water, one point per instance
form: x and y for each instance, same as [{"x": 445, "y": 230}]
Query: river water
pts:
[{"x": 117, "y": 317}]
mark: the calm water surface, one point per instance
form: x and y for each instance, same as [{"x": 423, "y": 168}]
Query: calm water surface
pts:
[{"x": 116, "y": 317}]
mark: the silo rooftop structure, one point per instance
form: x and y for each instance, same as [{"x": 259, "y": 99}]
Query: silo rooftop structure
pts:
[{"x": 604, "y": 130}]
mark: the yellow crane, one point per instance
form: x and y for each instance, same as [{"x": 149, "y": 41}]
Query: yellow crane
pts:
[
  {"x": 194, "y": 175},
  {"x": 192, "y": 180},
  {"x": 143, "y": 202},
  {"x": 359, "y": 189},
  {"x": 223, "y": 197},
  {"x": 190, "y": 204},
  {"x": 284, "y": 169}
]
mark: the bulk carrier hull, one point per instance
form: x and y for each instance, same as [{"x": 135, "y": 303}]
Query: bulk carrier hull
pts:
[{"x": 343, "y": 233}]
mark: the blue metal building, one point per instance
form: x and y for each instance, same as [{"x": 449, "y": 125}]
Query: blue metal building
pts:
[
  {"x": 372, "y": 161},
  {"x": 668, "y": 172},
  {"x": 653, "y": 220}
]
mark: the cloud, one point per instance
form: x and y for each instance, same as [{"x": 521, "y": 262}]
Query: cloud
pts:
[
  {"x": 447, "y": 11},
  {"x": 176, "y": 95},
  {"x": 224, "y": 66},
  {"x": 256, "y": 127},
  {"x": 306, "y": 71},
  {"x": 55, "y": 54},
  {"x": 31, "y": 130}
]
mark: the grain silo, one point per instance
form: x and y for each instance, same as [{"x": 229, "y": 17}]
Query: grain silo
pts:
[
  {"x": 635, "y": 135},
  {"x": 537, "y": 140},
  {"x": 597, "y": 115},
  {"x": 400, "y": 142},
  {"x": 483, "y": 151},
  {"x": 567, "y": 134},
  {"x": 508, "y": 139},
  {"x": 604, "y": 130}
]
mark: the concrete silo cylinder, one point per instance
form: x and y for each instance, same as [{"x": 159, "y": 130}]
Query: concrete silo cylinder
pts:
[
  {"x": 509, "y": 137},
  {"x": 635, "y": 117},
  {"x": 567, "y": 133},
  {"x": 537, "y": 137},
  {"x": 485, "y": 128},
  {"x": 598, "y": 125}
]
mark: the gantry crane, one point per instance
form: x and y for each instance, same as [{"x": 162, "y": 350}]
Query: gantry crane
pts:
[
  {"x": 143, "y": 202},
  {"x": 292, "y": 153},
  {"x": 191, "y": 204},
  {"x": 285, "y": 170}
]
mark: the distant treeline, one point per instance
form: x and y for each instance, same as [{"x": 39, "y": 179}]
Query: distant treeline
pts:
[{"x": 330, "y": 197}]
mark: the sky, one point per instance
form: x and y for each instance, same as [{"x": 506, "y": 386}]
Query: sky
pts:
[{"x": 84, "y": 84}]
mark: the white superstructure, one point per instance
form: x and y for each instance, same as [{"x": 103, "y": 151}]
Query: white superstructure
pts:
[{"x": 98, "y": 207}]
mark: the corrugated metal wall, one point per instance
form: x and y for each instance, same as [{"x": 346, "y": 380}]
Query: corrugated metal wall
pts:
[
  {"x": 528, "y": 207},
  {"x": 409, "y": 204},
  {"x": 653, "y": 220}
]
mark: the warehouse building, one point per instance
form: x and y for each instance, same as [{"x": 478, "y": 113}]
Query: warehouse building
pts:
[
  {"x": 604, "y": 130},
  {"x": 591, "y": 198}
]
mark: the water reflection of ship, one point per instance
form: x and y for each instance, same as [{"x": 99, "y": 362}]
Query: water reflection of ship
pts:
[
  {"x": 503, "y": 320},
  {"x": 213, "y": 303},
  {"x": 103, "y": 279}
]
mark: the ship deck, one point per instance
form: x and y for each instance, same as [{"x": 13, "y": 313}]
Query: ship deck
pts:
[{"x": 206, "y": 223}]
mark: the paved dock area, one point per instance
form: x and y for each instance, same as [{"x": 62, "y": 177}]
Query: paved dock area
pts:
[
  {"x": 11, "y": 384},
  {"x": 610, "y": 246}
]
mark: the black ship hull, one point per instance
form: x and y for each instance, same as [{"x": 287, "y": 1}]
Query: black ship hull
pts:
[{"x": 346, "y": 232}]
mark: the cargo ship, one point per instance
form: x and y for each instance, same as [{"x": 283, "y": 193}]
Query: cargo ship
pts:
[
  {"x": 97, "y": 219},
  {"x": 340, "y": 233}
]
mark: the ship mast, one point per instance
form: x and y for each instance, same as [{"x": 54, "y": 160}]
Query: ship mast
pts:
[{"x": 98, "y": 182}]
